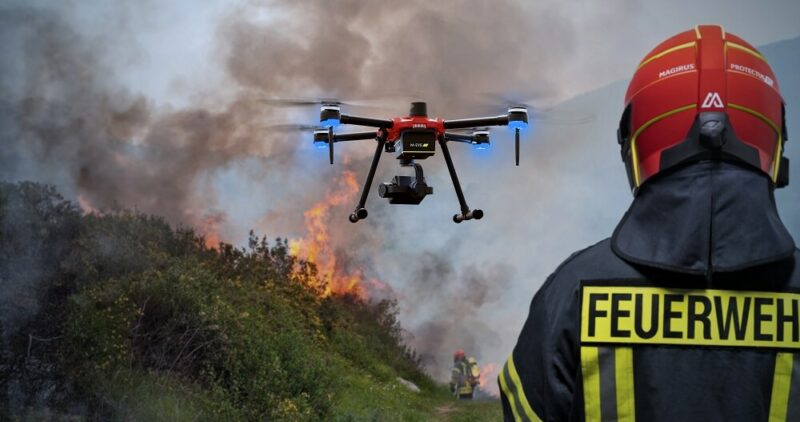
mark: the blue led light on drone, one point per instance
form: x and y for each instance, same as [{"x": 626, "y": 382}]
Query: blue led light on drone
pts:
[
  {"x": 330, "y": 122},
  {"x": 518, "y": 124}
]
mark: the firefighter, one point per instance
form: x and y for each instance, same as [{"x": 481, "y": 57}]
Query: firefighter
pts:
[
  {"x": 465, "y": 375},
  {"x": 691, "y": 310}
]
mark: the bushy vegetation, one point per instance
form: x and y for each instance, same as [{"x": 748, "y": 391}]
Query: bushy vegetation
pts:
[{"x": 120, "y": 316}]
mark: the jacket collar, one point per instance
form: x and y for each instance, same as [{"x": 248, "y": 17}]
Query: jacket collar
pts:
[{"x": 711, "y": 216}]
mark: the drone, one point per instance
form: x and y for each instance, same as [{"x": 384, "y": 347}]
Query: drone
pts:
[{"x": 412, "y": 138}]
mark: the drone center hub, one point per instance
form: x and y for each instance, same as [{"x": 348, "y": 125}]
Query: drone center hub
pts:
[{"x": 416, "y": 144}]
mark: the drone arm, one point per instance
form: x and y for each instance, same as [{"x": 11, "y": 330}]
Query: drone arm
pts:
[
  {"x": 451, "y": 168},
  {"x": 360, "y": 212},
  {"x": 354, "y": 136},
  {"x": 459, "y": 137},
  {"x": 365, "y": 121},
  {"x": 480, "y": 121},
  {"x": 466, "y": 214}
]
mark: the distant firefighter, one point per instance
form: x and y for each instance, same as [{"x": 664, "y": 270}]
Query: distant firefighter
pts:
[{"x": 465, "y": 375}]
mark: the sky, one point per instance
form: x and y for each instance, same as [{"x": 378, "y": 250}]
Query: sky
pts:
[
  {"x": 154, "y": 105},
  {"x": 168, "y": 45}
]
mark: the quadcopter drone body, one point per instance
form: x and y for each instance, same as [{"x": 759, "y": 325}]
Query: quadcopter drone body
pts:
[{"x": 413, "y": 138}]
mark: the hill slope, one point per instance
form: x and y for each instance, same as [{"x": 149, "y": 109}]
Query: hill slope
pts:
[{"x": 120, "y": 316}]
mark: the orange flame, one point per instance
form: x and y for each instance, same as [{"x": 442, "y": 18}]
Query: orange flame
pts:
[
  {"x": 487, "y": 379},
  {"x": 317, "y": 248},
  {"x": 86, "y": 205},
  {"x": 209, "y": 227}
]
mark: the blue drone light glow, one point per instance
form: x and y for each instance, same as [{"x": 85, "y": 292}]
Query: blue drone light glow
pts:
[
  {"x": 320, "y": 144},
  {"x": 330, "y": 122},
  {"x": 518, "y": 124},
  {"x": 481, "y": 147}
]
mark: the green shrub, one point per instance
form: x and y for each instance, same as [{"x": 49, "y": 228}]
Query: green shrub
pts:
[
  {"x": 143, "y": 321},
  {"x": 224, "y": 334}
]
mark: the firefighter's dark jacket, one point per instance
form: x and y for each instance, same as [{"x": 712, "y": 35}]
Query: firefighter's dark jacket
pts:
[{"x": 688, "y": 313}]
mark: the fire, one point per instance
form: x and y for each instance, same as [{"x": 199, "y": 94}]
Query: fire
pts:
[
  {"x": 212, "y": 240},
  {"x": 209, "y": 227},
  {"x": 317, "y": 248},
  {"x": 86, "y": 205},
  {"x": 487, "y": 379},
  {"x": 376, "y": 285}
]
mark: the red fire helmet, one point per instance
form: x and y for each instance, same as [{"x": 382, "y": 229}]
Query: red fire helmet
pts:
[
  {"x": 459, "y": 354},
  {"x": 703, "y": 94}
]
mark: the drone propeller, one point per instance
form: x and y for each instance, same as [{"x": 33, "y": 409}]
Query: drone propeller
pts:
[
  {"x": 292, "y": 127},
  {"x": 553, "y": 115},
  {"x": 327, "y": 134},
  {"x": 381, "y": 102},
  {"x": 300, "y": 102}
]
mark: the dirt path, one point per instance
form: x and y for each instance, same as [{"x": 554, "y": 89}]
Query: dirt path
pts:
[{"x": 446, "y": 409}]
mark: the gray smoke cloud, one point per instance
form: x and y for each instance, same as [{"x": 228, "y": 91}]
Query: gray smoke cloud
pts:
[
  {"x": 462, "y": 298},
  {"x": 68, "y": 120},
  {"x": 355, "y": 49}
]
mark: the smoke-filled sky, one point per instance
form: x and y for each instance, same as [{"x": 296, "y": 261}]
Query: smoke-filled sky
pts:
[{"x": 155, "y": 106}]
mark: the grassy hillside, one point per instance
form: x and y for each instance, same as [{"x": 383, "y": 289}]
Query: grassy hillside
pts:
[{"x": 120, "y": 316}]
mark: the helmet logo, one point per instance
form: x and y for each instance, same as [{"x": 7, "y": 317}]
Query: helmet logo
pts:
[
  {"x": 677, "y": 69},
  {"x": 754, "y": 73},
  {"x": 712, "y": 100}
]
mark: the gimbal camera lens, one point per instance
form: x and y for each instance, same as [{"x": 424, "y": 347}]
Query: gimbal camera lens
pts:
[{"x": 404, "y": 190}]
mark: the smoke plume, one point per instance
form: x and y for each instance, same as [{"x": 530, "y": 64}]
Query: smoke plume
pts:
[
  {"x": 213, "y": 164},
  {"x": 457, "y": 320}
]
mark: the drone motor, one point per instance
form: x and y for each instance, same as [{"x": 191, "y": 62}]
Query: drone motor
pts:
[{"x": 330, "y": 115}]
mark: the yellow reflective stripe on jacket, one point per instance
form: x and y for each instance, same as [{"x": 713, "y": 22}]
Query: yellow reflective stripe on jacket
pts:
[
  {"x": 512, "y": 387},
  {"x": 512, "y": 401},
  {"x": 590, "y": 370},
  {"x": 608, "y": 393},
  {"x": 785, "y": 401}
]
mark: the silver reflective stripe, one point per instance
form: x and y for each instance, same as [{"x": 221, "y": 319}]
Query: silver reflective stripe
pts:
[
  {"x": 608, "y": 383},
  {"x": 793, "y": 406}
]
